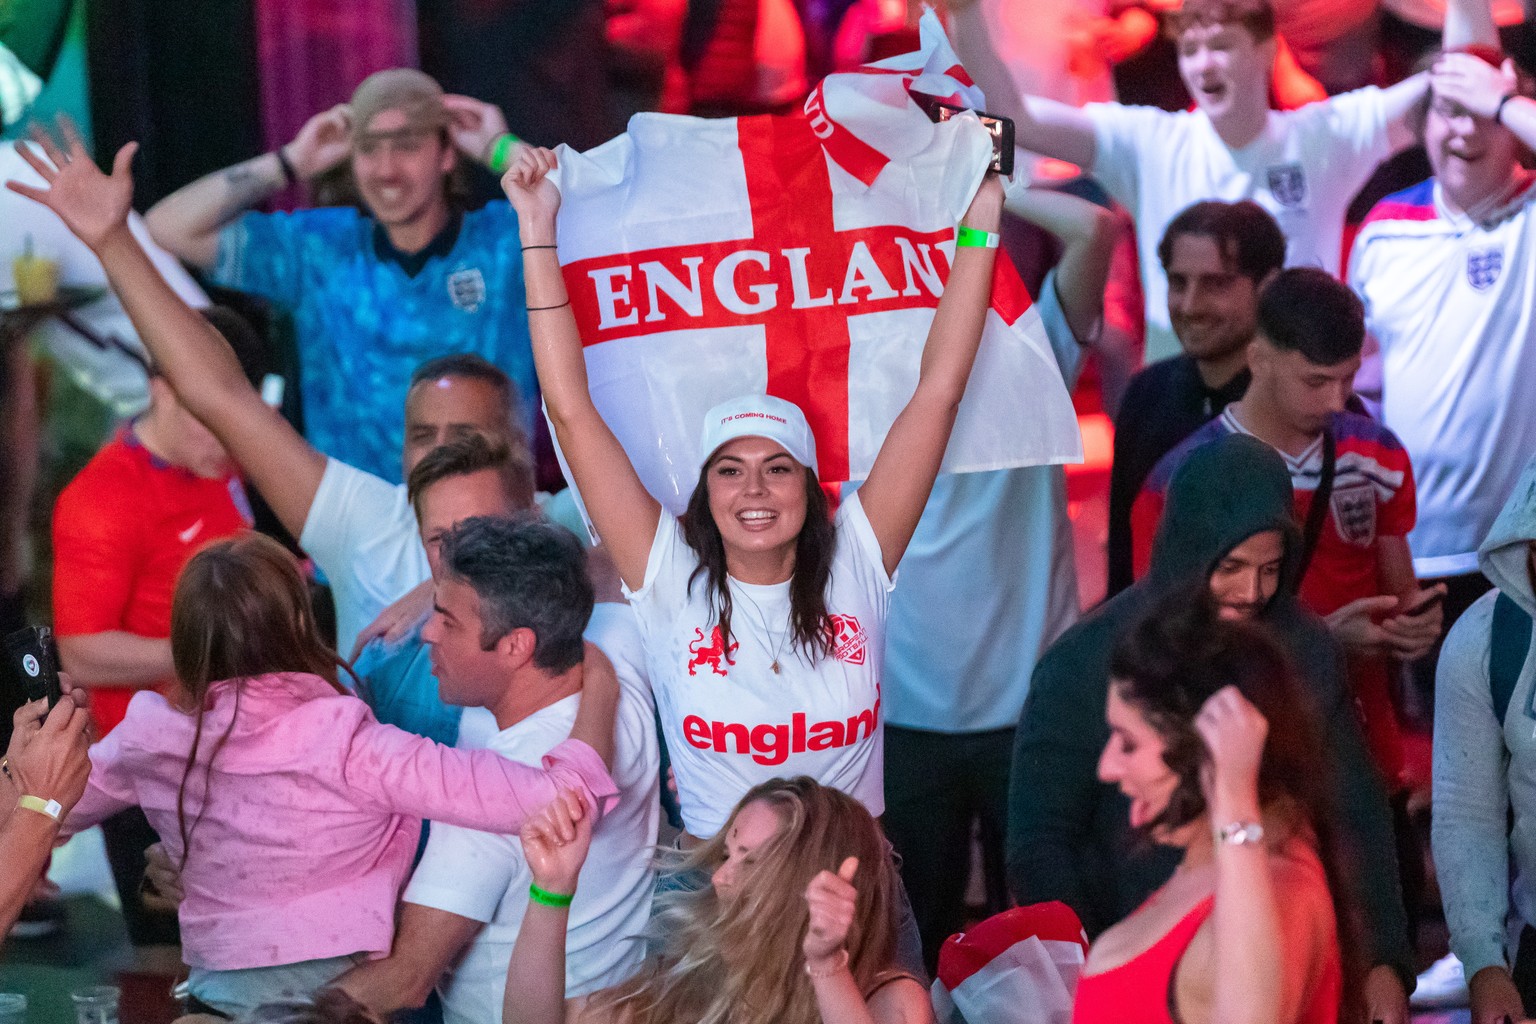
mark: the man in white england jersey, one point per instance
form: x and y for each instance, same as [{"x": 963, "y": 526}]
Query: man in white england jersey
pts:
[
  {"x": 1303, "y": 166},
  {"x": 1447, "y": 272}
]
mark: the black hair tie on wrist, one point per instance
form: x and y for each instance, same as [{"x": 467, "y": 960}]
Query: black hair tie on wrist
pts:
[
  {"x": 1498, "y": 112},
  {"x": 289, "y": 176}
]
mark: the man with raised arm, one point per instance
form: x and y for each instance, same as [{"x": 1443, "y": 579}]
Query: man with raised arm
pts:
[
  {"x": 373, "y": 291},
  {"x": 1444, "y": 270},
  {"x": 1304, "y": 166},
  {"x": 358, "y": 528}
]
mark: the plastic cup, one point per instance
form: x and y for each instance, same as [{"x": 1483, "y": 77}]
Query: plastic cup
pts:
[
  {"x": 13, "y": 1008},
  {"x": 96, "y": 1005},
  {"x": 37, "y": 279}
]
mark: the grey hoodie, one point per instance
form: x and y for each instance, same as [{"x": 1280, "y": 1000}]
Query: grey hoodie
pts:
[{"x": 1479, "y": 774}]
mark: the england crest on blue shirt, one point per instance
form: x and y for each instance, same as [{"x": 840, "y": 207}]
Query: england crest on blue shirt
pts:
[
  {"x": 1288, "y": 184},
  {"x": 1483, "y": 267},
  {"x": 467, "y": 289}
]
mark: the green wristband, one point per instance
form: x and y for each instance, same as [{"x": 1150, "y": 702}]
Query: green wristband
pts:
[
  {"x": 974, "y": 238},
  {"x": 501, "y": 152},
  {"x": 549, "y": 899}
]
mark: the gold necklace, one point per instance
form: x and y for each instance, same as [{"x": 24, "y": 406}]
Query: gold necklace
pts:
[{"x": 762, "y": 618}]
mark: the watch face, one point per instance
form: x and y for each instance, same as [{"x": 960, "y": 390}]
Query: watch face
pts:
[{"x": 1240, "y": 833}]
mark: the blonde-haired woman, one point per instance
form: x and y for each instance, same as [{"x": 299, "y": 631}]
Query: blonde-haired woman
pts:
[{"x": 797, "y": 925}]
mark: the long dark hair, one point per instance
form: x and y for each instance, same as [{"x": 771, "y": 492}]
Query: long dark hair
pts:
[
  {"x": 810, "y": 628},
  {"x": 1166, "y": 668},
  {"x": 241, "y": 609}
]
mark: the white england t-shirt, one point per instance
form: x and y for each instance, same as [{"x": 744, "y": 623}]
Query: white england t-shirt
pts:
[
  {"x": 484, "y": 877},
  {"x": 1452, "y": 307},
  {"x": 730, "y": 722},
  {"x": 1305, "y": 168}
]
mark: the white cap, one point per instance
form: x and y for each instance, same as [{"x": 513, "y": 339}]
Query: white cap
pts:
[{"x": 759, "y": 416}]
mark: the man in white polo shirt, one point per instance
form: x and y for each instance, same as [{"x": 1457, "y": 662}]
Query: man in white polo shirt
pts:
[
  {"x": 1304, "y": 166},
  {"x": 1445, "y": 272},
  {"x": 511, "y": 602}
]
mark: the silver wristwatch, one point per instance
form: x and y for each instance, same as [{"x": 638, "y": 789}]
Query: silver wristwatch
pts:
[{"x": 1239, "y": 833}]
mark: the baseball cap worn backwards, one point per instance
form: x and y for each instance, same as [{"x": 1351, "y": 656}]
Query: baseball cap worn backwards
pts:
[
  {"x": 412, "y": 92},
  {"x": 759, "y": 416}
]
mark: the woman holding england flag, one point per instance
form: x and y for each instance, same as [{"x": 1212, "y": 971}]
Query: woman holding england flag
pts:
[{"x": 763, "y": 615}]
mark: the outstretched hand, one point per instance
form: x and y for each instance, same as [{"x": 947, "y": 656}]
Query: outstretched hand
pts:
[
  {"x": 535, "y": 198},
  {"x": 832, "y": 900},
  {"x": 93, "y": 205},
  {"x": 556, "y": 841}
]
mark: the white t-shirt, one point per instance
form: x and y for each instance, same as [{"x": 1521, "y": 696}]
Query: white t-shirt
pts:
[
  {"x": 1451, "y": 306},
  {"x": 988, "y": 581},
  {"x": 730, "y": 722},
  {"x": 484, "y": 876},
  {"x": 1304, "y": 168},
  {"x": 362, "y": 533}
]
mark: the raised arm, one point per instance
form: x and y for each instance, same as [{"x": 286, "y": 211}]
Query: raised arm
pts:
[
  {"x": 1468, "y": 23},
  {"x": 191, "y": 354},
  {"x": 555, "y": 843},
  {"x": 1087, "y": 232},
  {"x": 625, "y": 514},
  {"x": 187, "y": 222},
  {"x": 902, "y": 477},
  {"x": 1404, "y": 104},
  {"x": 1042, "y": 126},
  {"x": 1253, "y": 983},
  {"x": 1470, "y": 82}
]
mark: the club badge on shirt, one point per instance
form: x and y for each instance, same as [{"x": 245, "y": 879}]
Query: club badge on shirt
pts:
[
  {"x": 1288, "y": 184},
  {"x": 466, "y": 287},
  {"x": 1483, "y": 267},
  {"x": 849, "y": 639},
  {"x": 1354, "y": 513},
  {"x": 715, "y": 655}
]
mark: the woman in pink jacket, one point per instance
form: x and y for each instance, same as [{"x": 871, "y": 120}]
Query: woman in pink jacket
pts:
[{"x": 294, "y": 814}]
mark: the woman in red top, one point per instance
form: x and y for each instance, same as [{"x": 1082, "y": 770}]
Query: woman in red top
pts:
[{"x": 1214, "y": 746}]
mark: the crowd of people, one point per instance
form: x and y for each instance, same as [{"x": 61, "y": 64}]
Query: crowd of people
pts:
[{"x": 731, "y": 765}]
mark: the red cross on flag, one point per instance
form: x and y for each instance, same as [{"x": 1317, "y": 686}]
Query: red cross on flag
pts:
[{"x": 801, "y": 256}]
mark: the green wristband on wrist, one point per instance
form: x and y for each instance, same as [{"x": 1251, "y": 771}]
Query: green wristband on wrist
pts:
[
  {"x": 975, "y": 238},
  {"x": 501, "y": 152},
  {"x": 549, "y": 899}
]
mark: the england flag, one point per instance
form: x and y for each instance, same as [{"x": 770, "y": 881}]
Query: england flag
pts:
[{"x": 802, "y": 256}]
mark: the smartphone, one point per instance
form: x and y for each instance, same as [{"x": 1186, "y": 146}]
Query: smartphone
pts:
[
  {"x": 1000, "y": 128},
  {"x": 34, "y": 662}
]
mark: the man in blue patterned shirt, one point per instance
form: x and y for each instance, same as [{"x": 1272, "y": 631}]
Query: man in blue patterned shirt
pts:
[{"x": 377, "y": 289}]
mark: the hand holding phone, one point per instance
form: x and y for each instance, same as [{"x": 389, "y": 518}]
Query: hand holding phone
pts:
[
  {"x": 34, "y": 661},
  {"x": 1000, "y": 128}
]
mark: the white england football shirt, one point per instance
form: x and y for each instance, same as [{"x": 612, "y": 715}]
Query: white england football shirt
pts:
[
  {"x": 730, "y": 722},
  {"x": 1451, "y": 305},
  {"x": 1304, "y": 168}
]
